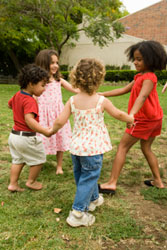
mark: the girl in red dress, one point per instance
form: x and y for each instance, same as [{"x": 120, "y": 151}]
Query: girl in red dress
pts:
[{"x": 147, "y": 56}]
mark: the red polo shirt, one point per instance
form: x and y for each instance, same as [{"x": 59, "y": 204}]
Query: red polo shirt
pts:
[{"x": 23, "y": 103}]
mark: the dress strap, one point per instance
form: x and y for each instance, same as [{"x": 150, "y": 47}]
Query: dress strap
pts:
[
  {"x": 72, "y": 103},
  {"x": 100, "y": 101}
]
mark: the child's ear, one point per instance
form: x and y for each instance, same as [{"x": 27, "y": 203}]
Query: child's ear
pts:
[{"x": 30, "y": 84}]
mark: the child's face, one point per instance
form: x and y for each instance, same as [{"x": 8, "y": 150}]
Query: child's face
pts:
[
  {"x": 54, "y": 65},
  {"x": 139, "y": 62},
  {"x": 38, "y": 89}
]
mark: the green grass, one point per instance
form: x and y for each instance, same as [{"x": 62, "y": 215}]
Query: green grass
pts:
[{"x": 28, "y": 221}]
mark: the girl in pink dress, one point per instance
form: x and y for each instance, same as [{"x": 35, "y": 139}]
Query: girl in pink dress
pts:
[{"x": 50, "y": 106}]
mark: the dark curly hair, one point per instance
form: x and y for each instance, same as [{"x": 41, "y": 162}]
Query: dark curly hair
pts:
[
  {"x": 44, "y": 59},
  {"x": 154, "y": 54},
  {"x": 87, "y": 75},
  {"x": 31, "y": 73}
]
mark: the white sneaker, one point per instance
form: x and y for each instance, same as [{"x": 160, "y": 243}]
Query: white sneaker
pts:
[
  {"x": 76, "y": 219},
  {"x": 96, "y": 203}
]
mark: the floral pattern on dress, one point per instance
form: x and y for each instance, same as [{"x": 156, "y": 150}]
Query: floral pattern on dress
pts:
[
  {"x": 90, "y": 135},
  {"x": 50, "y": 106}
]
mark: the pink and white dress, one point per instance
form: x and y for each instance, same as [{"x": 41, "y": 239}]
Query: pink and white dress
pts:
[
  {"x": 90, "y": 135},
  {"x": 50, "y": 106}
]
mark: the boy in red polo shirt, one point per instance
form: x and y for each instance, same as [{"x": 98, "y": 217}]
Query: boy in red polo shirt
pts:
[{"x": 25, "y": 146}]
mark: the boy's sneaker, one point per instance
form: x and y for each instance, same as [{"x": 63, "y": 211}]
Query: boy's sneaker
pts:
[
  {"x": 96, "y": 203},
  {"x": 77, "y": 219}
]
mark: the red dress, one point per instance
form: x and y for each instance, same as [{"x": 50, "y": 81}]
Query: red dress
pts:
[{"x": 148, "y": 120}]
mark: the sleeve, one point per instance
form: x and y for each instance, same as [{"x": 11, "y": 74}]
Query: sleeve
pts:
[
  {"x": 136, "y": 76},
  {"x": 30, "y": 106},
  {"x": 72, "y": 103},
  {"x": 150, "y": 76}
]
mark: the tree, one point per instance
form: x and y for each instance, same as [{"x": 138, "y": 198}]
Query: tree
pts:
[{"x": 28, "y": 26}]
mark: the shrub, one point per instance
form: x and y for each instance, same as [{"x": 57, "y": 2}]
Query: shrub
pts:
[
  {"x": 64, "y": 67},
  {"x": 125, "y": 75}
]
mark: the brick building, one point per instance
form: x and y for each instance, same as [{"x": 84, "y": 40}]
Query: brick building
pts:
[{"x": 149, "y": 23}]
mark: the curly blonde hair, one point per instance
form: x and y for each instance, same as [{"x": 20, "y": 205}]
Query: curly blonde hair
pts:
[{"x": 87, "y": 75}]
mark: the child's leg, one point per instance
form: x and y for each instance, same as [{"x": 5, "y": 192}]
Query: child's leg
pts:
[
  {"x": 90, "y": 172},
  {"x": 14, "y": 176},
  {"x": 152, "y": 161},
  {"x": 59, "y": 162},
  {"x": 126, "y": 143},
  {"x": 33, "y": 174},
  {"x": 77, "y": 168}
]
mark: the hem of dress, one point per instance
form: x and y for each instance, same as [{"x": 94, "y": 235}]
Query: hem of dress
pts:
[{"x": 87, "y": 154}]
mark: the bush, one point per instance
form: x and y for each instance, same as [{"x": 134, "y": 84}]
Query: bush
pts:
[
  {"x": 125, "y": 75},
  {"x": 119, "y": 75},
  {"x": 64, "y": 67},
  {"x": 112, "y": 67},
  {"x": 65, "y": 74}
]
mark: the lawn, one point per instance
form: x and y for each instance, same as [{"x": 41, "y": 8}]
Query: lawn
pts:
[{"x": 135, "y": 218}]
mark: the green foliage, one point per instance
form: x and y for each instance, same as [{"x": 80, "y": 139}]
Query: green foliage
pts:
[
  {"x": 31, "y": 25},
  {"x": 64, "y": 67},
  {"x": 65, "y": 74},
  {"x": 124, "y": 75},
  {"x": 113, "y": 67},
  {"x": 120, "y": 75}
]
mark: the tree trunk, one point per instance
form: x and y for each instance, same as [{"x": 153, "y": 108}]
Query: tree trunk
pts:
[{"x": 14, "y": 60}]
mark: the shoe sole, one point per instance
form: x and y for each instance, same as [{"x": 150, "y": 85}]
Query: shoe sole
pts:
[
  {"x": 79, "y": 224},
  {"x": 106, "y": 191},
  {"x": 95, "y": 206}
]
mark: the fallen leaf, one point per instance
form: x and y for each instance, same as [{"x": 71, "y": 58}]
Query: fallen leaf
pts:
[{"x": 57, "y": 210}]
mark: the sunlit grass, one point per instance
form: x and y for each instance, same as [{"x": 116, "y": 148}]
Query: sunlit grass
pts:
[{"x": 28, "y": 220}]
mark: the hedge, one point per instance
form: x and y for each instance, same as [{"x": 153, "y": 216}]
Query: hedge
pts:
[{"x": 125, "y": 75}]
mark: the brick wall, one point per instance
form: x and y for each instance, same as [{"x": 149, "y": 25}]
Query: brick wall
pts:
[{"x": 149, "y": 23}]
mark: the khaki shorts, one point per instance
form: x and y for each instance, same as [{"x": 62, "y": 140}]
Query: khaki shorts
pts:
[{"x": 26, "y": 149}]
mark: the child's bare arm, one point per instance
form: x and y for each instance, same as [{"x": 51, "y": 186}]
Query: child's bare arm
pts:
[
  {"x": 117, "y": 92},
  {"x": 62, "y": 118},
  {"x": 35, "y": 126},
  {"x": 144, "y": 93},
  {"x": 116, "y": 113},
  {"x": 69, "y": 87},
  {"x": 164, "y": 88}
]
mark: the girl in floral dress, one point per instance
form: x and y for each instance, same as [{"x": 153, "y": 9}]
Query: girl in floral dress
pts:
[
  {"x": 50, "y": 106},
  {"x": 90, "y": 137}
]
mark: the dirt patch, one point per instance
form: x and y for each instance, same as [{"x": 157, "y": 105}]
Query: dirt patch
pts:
[{"x": 153, "y": 218}]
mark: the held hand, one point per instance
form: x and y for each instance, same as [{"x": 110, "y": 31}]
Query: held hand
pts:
[
  {"x": 164, "y": 88},
  {"x": 130, "y": 124},
  {"x": 48, "y": 132}
]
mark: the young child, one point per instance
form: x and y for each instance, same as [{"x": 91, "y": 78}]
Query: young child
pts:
[
  {"x": 50, "y": 106},
  {"x": 25, "y": 146},
  {"x": 90, "y": 137},
  {"x": 147, "y": 56}
]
